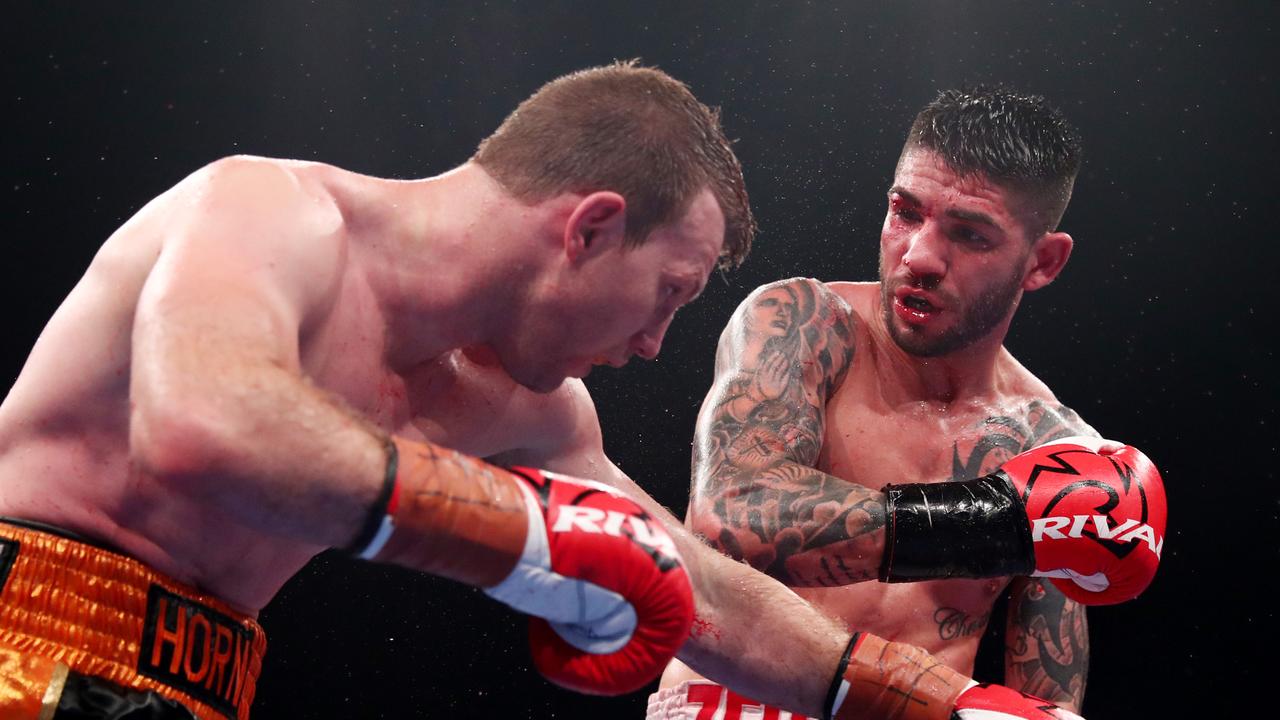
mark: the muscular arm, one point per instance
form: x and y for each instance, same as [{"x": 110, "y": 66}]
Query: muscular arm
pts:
[
  {"x": 1047, "y": 643},
  {"x": 1046, "y": 634},
  {"x": 750, "y": 632},
  {"x": 756, "y": 495},
  {"x": 220, "y": 410},
  {"x": 733, "y": 602}
]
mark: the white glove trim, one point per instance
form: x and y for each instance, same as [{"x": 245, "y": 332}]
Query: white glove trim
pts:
[
  {"x": 1096, "y": 582},
  {"x": 587, "y": 616}
]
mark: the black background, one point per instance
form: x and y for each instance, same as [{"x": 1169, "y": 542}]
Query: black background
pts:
[{"x": 1159, "y": 332}]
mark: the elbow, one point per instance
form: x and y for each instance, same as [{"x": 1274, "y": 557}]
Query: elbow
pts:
[
  {"x": 741, "y": 544},
  {"x": 719, "y": 534},
  {"x": 169, "y": 440}
]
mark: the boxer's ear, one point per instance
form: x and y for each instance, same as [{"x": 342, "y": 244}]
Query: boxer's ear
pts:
[
  {"x": 1048, "y": 256},
  {"x": 597, "y": 223}
]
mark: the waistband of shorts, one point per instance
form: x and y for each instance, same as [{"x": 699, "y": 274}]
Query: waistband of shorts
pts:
[
  {"x": 692, "y": 699},
  {"x": 108, "y": 615}
]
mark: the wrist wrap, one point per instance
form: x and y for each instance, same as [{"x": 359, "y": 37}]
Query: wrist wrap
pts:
[
  {"x": 447, "y": 514},
  {"x": 879, "y": 680},
  {"x": 971, "y": 529}
]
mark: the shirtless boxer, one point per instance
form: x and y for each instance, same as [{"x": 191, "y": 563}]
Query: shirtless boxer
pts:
[
  {"x": 269, "y": 359},
  {"x": 829, "y": 396}
]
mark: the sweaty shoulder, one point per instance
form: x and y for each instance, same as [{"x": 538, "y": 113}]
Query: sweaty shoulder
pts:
[
  {"x": 271, "y": 226},
  {"x": 1017, "y": 381},
  {"x": 246, "y": 189},
  {"x": 1046, "y": 417},
  {"x": 860, "y": 296}
]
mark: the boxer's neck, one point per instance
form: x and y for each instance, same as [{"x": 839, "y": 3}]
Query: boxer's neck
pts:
[{"x": 455, "y": 261}]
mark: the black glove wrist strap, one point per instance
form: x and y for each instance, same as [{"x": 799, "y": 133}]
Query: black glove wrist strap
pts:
[{"x": 970, "y": 529}]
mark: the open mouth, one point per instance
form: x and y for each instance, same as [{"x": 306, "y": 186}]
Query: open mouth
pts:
[
  {"x": 914, "y": 309},
  {"x": 919, "y": 304}
]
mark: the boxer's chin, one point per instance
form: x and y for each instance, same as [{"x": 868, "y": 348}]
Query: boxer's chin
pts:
[{"x": 545, "y": 383}]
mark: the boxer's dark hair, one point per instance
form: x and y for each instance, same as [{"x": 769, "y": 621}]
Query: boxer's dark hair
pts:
[
  {"x": 1017, "y": 141},
  {"x": 633, "y": 130}
]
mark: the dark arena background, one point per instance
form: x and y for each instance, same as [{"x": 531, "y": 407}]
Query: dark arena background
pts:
[{"x": 1160, "y": 332}]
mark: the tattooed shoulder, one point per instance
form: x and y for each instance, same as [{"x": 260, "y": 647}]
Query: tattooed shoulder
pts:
[
  {"x": 1050, "y": 421},
  {"x": 1001, "y": 436},
  {"x": 786, "y": 348},
  {"x": 799, "y": 319}
]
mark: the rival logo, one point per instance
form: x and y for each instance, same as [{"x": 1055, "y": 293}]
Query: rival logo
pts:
[
  {"x": 1128, "y": 531},
  {"x": 611, "y": 522},
  {"x": 196, "y": 649}
]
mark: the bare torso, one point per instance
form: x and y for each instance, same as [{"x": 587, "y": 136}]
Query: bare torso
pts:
[
  {"x": 64, "y": 426},
  {"x": 874, "y": 441}
]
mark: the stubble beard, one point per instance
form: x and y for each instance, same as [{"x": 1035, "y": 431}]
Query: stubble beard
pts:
[{"x": 986, "y": 312}]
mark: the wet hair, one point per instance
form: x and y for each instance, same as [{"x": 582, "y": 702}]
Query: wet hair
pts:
[
  {"x": 633, "y": 130},
  {"x": 1018, "y": 142}
]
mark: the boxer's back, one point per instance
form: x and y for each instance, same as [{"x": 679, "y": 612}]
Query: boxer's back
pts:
[{"x": 64, "y": 426}]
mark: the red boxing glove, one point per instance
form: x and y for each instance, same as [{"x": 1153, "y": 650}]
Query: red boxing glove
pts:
[
  {"x": 611, "y": 599},
  {"x": 1097, "y": 514},
  {"x": 1087, "y": 512},
  {"x": 997, "y": 702}
]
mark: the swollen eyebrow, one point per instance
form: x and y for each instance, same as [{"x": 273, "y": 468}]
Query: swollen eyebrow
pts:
[{"x": 895, "y": 190}]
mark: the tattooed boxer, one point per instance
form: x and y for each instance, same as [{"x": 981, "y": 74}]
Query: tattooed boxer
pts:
[{"x": 863, "y": 431}]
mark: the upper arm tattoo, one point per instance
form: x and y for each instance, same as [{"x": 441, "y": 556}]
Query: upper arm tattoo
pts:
[
  {"x": 1047, "y": 651},
  {"x": 757, "y": 496}
]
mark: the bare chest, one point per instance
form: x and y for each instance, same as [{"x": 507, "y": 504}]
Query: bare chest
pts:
[
  {"x": 945, "y": 617},
  {"x": 874, "y": 444}
]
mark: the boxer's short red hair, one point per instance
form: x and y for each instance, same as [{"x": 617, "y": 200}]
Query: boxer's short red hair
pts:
[{"x": 632, "y": 130}]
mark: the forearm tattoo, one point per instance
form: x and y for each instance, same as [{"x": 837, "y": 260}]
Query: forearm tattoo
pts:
[
  {"x": 1047, "y": 651},
  {"x": 758, "y": 497},
  {"x": 756, "y": 449}
]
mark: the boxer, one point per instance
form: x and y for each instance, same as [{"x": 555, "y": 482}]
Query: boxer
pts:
[
  {"x": 864, "y": 431},
  {"x": 256, "y": 367}
]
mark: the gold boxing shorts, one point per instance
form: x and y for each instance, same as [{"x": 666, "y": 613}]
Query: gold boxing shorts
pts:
[{"x": 70, "y": 607}]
